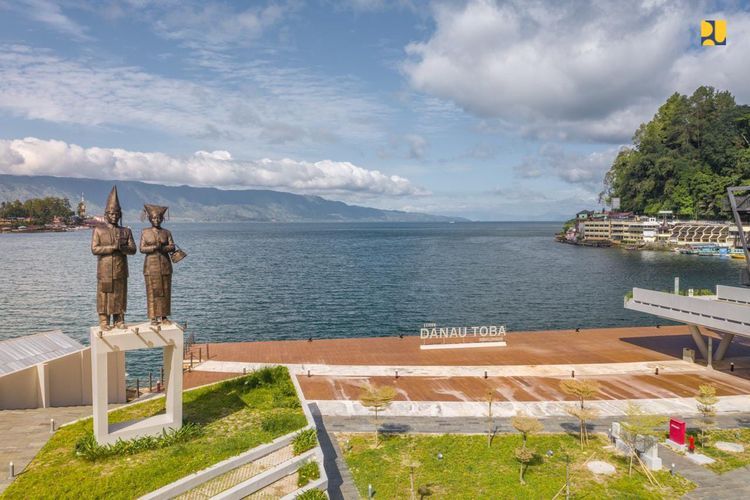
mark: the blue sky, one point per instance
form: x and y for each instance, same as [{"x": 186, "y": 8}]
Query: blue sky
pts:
[{"x": 483, "y": 109}]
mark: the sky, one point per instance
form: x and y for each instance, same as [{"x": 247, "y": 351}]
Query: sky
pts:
[{"x": 481, "y": 109}]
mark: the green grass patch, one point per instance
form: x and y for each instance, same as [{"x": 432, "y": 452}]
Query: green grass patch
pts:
[
  {"x": 310, "y": 471},
  {"x": 469, "y": 469},
  {"x": 312, "y": 495},
  {"x": 305, "y": 440},
  {"x": 88, "y": 448},
  {"x": 726, "y": 461},
  {"x": 230, "y": 415}
]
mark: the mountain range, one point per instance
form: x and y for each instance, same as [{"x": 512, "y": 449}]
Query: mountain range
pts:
[{"x": 199, "y": 204}]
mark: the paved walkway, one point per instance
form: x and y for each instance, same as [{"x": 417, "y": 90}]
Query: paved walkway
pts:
[
  {"x": 730, "y": 485},
  {"x": 478, "y": 425},
  {"x": 24, "y": 432}
]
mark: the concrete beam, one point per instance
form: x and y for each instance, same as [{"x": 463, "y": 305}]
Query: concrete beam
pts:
[{"x": 698, "y": 339}]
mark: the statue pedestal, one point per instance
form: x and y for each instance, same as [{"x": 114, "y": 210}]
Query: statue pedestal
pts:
[{"x": 137, "y": 336}]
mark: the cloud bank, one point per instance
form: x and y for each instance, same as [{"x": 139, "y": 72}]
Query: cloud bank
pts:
[
  {"x": 32, "y": 156},
  {"x": 573, "y": 70}
]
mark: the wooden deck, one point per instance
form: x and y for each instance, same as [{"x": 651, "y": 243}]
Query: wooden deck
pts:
[{"x": 607, "y": 347}]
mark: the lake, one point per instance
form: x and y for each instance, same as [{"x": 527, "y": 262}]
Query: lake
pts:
[{"x": 248, "y": 281}]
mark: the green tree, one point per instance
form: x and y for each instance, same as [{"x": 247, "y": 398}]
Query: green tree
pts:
[
  {"x": 640, "y": 427},
  {"x": 706, "y": 399},
  {"x": 685, "y": 157},
  {"x": 377, "y": 399}
]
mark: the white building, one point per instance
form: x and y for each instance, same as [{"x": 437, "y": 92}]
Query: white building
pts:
[{"x": 51, "y": 369}]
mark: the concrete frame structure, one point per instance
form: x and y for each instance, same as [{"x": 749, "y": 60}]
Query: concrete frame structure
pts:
[
  {"x": 727, "y": 314},
  {"x": 140, "y": 336},
  {"x": 50, "y": 370}
]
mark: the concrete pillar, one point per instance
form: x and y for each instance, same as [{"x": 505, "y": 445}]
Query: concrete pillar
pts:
[
  {"x": 710, "y": 352},
  {"x": 726, "y": 339},
  {"x": 698, "y": 339},
  {"x": 43, "y": 376},
  {"x": 100, "y": 390},
  {"x": 676, "y": 285}
]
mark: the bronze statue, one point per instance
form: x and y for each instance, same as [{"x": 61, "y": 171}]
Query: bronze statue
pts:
[
  {"x": 157, "y": 244},
  {"x": 112, "y": 243}
]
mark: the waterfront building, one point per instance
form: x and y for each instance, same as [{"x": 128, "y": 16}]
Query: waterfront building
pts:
[{"x": 639, "y": 230}]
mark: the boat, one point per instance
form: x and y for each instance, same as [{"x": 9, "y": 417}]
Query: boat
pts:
[{"x": 738, "y": 256}]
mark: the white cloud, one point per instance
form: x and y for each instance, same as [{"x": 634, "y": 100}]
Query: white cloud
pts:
[
  {"x": 569, "y": 166},
  {"x": 592, "y": 70},
  {"x": 50, "y": 14},
  {"x": 32, "y": 156},
  {"x": 217, "y": 25},
  {"x": 266, "y": 106},
  {"x": 417, "y": 146}
]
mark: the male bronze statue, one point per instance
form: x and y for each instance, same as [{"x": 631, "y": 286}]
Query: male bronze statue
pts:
[
  {"x": 157, "y": 244},
  {"x": 112, "y": 243}
]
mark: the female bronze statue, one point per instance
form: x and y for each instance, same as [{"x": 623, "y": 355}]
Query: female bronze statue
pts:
[{"x": 157, "y": 244}]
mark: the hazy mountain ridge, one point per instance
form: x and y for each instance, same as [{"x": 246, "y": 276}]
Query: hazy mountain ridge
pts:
[{"x": 203, "y": 204}]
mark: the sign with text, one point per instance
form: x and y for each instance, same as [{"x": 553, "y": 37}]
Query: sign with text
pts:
[{"x": 447, "y": 337}]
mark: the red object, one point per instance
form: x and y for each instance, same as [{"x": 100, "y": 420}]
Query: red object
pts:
[
  {"x": 691, "y": 444},
  {"x": 677, "y": 429}
]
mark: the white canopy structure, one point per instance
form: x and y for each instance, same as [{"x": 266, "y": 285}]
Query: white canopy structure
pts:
[{"x": 727, "y": 313}]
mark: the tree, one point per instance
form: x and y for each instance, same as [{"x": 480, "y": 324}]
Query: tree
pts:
[
  {"x": 490, "y": 399},
  {"x": 685, "y": 157},
  {"x": 584, "y": 416},
  {"x": 640, "y": 427},
  {"x": 707, "y": 400},
  {"x": 377, "y": 399},
  {"x": 524, "y": 456},
  {"x": 526, "y": 425},
  {"x": 580, "y": 388}
]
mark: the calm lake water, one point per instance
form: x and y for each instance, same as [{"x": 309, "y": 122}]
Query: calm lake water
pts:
[{"x": 287, "y": 281}]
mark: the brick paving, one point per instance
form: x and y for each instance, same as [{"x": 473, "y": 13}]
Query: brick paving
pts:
[
  {"x": 280, "y": 488},
  {"x": 238, "y": 475}
]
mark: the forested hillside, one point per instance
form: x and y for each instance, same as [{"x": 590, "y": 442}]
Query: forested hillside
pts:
[{"x": 685, "y": 157}]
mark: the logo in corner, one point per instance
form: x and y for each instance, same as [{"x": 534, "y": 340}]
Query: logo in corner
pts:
[{"x": 713, "y": 32}]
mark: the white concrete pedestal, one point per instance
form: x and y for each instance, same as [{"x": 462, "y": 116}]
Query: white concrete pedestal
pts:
[{"x": 137, "y": 336}]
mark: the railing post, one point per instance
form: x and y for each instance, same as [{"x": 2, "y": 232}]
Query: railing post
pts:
[
  {"x": 137, "y": 388},
  {"x": 150, "y": 382}
]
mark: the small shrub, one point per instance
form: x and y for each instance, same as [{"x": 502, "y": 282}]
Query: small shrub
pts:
[
  {"x": 88, "y": 449},
  {"x": 312, "y": 495},
  {"x": 304, "y": 440},
  {"x": 282, "y": 422},
  {"x": 308, "y": 472}
]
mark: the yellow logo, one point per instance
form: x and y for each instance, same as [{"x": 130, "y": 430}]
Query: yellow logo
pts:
[{"x": 714, "y": 32}]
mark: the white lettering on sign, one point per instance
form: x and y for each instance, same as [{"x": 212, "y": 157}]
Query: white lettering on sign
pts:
[{"x": 434, "y": 332}]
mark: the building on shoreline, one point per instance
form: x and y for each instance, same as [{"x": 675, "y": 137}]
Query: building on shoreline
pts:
[{"x": 619, "y": 228}]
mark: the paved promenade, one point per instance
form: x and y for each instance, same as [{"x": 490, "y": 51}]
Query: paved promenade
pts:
[
  {"x": 24, "y": 432},
  {"x": 641, "y": 364}
]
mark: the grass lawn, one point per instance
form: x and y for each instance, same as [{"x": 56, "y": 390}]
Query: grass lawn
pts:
[
  {"x": 235, "y": 415},
  {"x": 469, "y": 469},
  {"x": 726, "y": 461}
]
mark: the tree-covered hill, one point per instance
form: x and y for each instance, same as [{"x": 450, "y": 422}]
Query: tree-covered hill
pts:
[{"x": 685, "y": 157}]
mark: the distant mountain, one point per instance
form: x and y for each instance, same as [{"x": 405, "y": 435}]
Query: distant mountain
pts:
[{"x": 203, "y": 204}]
